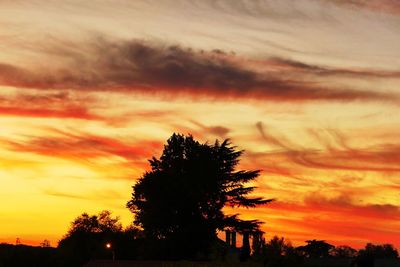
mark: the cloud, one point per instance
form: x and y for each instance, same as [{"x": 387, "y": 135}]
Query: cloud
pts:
[
  {"x": 279, "y": 142},
  {"x": 290, "y": 65},
  {"x": 84, "y": 147},
  {"x": 74, "y": 113},
  {"x": 333, "y": 155},
  {"x": 339, "y": 218},
  {"x": 389, "y": 6},
  {"x": 217, "y": 130},
  {"x": 139, "y": 66},
  {"x": 46, "y": 105},
  {"x": 105, "y": 194}
]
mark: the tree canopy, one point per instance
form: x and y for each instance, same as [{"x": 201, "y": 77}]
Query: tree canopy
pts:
[
  {"x": 384, "y": 251},
  {"x": 180, "y": 199},
  {"x": 88, "y": 235},
  {"x": 101, "y": 223},
  {"x": 316, "y": 248}
]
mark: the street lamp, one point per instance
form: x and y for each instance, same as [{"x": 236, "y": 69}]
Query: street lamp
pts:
[{"x": 108, "y": 246}]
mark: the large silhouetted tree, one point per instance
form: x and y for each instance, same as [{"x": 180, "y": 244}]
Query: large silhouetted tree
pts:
[{"x": 179, "y": 201}]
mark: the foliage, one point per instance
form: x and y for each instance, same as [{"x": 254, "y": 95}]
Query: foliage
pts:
[
  {"x": 276, "y": 247},
  {"x": 343, "y": 252},
  {"x": 316, "y": 249},
  {"x": 88, "y": 235},
  {"x": 385, "y": 251},
  {"x": 101, "y": 223},
  {"x": 280, "y": 252},
  {"x": 180, "y": 200},
  {"x": 27, "y": 256}
]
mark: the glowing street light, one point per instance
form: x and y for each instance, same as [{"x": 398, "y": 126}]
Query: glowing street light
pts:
[{"x": 108, "y": 246}]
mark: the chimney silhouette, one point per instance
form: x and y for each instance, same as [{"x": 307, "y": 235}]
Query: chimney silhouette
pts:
[
  {"x": 233, "y": 244},
  {"x": 228, "y": 237}
]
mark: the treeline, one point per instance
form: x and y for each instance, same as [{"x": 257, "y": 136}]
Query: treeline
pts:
[
  {"x": 102, "y": 237},
  {"x": 23, "y": 255},
  {"x": 280, "y": 252}
]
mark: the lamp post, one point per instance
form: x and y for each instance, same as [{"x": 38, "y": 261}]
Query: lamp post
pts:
[{"x": 108, "y": 246}]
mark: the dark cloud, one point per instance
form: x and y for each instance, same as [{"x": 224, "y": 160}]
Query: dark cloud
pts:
[
  {"x": 279, "y": 142},
  {"x": 297, "y": 66},
  {"x": 218, "y": 130},
  {"x": 138, "y": 66}
]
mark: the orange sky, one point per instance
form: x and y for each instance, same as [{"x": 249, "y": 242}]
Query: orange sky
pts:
[{"x": 308, "y": 88}]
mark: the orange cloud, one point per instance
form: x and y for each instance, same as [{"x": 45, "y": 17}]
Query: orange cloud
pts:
[
  {"x": 339, "y": 220},
  {"x": 82, "y": 147},
  {"x": 56, "y": 104},
  {"x": 71, "y": 112},
  {"x": 377, "y": 158}
]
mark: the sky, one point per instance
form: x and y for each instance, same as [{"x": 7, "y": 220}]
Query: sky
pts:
[{"x": 310, "y": 89}]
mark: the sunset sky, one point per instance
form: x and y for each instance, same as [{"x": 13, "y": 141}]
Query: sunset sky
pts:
[{"x": 310, "y": 89}]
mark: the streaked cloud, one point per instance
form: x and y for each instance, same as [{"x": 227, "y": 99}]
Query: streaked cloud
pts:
[
  {"x": 84, "y": 147},
  {"x": 390, "y": 6},
  {"x": 137, "y": 66},
  {"x": 337, "y": 155}
]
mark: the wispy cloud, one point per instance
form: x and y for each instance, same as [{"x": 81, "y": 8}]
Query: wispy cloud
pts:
[
  {"x": 390, "y": 6},
  {"x": 106, "y": 194},
  {"x": 138, "y": 66},
  {"x": 57, "y": 104},
  {"x": 85, "y": 147},
  {"x": 334, "y": 156},
  {"x": 289, "y": 65}
]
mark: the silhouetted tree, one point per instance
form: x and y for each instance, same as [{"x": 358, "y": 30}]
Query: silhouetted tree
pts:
[
  {"x": 45, "y": 243},
  {"x": 88, "y": 235},
  {"x": 280, "y": 252},
  {"x": 179, "y": 201},
  {"x": 103, "y": 222},
  {"x": 385, "y": 251},
  {"x": 276, "y": 247},
  {"x": 316, "y": 248},
  {"x": 27, "y": 256},
  {"x": 343, "y": 252}
]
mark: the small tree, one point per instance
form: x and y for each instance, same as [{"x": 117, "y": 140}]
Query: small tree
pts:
[
  {"x": 385, "y": 251},
  {"x": 276, "y": 247},
  {"x": 280, "y": 252},
  {"x": 180, "y": 200},
  {"x": 316, "y": 248},
  {"x": 103, "y": 222},
  {"x": 87, "y": 236},
  {"x": 45, "y": 244},
  {"x": 343, "y": 252}
]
